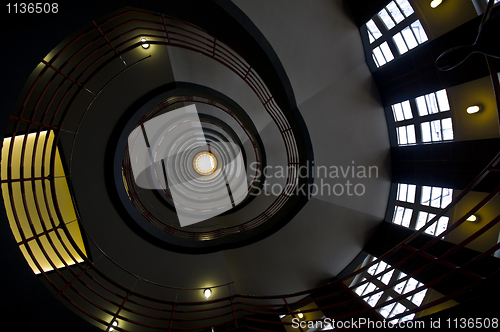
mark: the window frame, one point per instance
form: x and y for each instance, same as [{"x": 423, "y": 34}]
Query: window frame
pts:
[
  {"x": 417, "y": 206},
  {"x": 417, "y": 120},
  {"x": 389, "y": 293},
  {"x": 387, "y": 35}
]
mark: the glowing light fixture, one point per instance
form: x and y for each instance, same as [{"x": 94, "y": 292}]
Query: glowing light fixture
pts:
[
  {"x": 472, "y": 218},
  {"x": 435, "y": 3},
  {"x": 207, "y": 293},
  {"x": 114, "y": 324},
  {"x": 204, "y": 163},
  {"x": 300, "y": 315},
  {"x": 144, "y": 44},
  {"x": 473, "y": 109}
]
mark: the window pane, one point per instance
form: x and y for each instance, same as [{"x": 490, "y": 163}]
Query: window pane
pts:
[
  {"x": 387, "y": 277},
  {"x": 421, "y": 220},
  {"x": 400, "y": 43},
  {"x": 436, "y": 197},
  {"x": 409, "y": 38},
  {"x": 447, "y": 129},
  {"x": 407, "y": 110},
  {"x": 426, "y": 195},
  {"x": 379, "y": 57},
  {"x": 431, "y": 229},
  {"x": 359, "y": 290},
  {"x": 398, "y": 112},
  {"x": 406, "y": 7},
  {"x": 372, "y": 300},
  {"x": 398, "y": 309},
  {"x": 426, "y": 132},
  {"x": 442, "y": 225},
  {"x": 385, "y": 311},
  {"x": 398, "y": 215},
  {"x": 371, "y": 270},
  {"x": 431, "y": 103},
  {"x": 381, "y": 267},
  {"x": 442, "y": 98},
  {"x": 447, "y": 197},
  {"x": 407, "y": 218},
  {"x": 386, "y": 51},
  {"x": 370, "y": 288},
  {"x": 370, "y": 37},
  {"x": 395, "y": 12},
  {"x": 402, "y": 189},
  {"x": 384, "y": 16},
  {"x": 419, "y": 32},
  {"x": 436, "y": 130},
  {"x": 411, "y": 193},
  {"x": 405, "y": 318},
  {"x": 419, "y": 297},
  {"x": 411, "y": 285},
  {"x": 422, "y": 106},
  {"x": 410, "y": 130},
  {"x": 399, "y": 287},
  {"x": 402, "y": 139},
  {"x": 372, "y": 27}
]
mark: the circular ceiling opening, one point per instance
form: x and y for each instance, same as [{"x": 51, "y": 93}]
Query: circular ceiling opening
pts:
[{"x": 204, "y": 163}]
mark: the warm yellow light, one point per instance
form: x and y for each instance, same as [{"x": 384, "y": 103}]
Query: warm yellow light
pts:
[
  {"x": 115, "y": 324},
  {"x": 144, "y": 44},
  {"x": 473, "y": 109},
  {"x": 435, "y": 3},
  {"x": 472, "y": 218},
  {"x": 207, "y": 293},
  {"x": 204, "y": 163},
  {"x": 300, "y": 315}
]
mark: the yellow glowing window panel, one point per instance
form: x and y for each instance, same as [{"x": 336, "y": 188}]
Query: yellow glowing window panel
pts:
[{"x": 29, "y": 175}]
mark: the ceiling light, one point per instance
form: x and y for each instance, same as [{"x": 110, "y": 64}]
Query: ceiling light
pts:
[
  {"x": 115, "y": 324},
  {"x": 472, "y": 218},
  {"x": 207, "y": 293},
  {"x": 435, "y": 3},
  {"x": 204, "y": 163},
  {"x": 300, "y": 315},
  {"x": 144, "y": 44},
  {"x": 473, "y": 109}
]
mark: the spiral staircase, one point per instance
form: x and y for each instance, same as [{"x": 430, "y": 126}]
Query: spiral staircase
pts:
[{"x": 113, "y": 251}]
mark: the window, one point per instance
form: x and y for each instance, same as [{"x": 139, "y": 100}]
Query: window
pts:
[
  {"x": 406, "y": 135},
  {"x": 406, "y": 192},
  {"x": 433, "y": 103},
  {"x": 436, "y": 197},
  {"x": 402, "y": 111},
  {"x": 389, "y": 276},
  {"x": 424, "y": 119},
  {"x": 415, "y": 214},
  {"x": 410, "y": 37},
  {"x": 382, "y": 54},
  {"x": 437, "y": 130},
  {"x": 394, "y": 30}
]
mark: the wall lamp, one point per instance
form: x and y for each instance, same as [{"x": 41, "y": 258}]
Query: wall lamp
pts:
[
  {"x": 472, "y": 218},
  {"x": 113, "y": 325},
  {"x": 144, "y": 44},
  {"x": 435, "y": 3},
  {"x": 207, "y": 293},
  {"x": 473, "y": 109}
]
